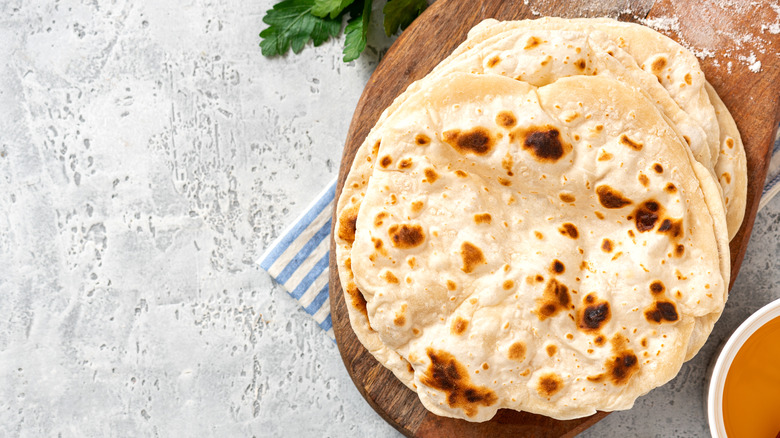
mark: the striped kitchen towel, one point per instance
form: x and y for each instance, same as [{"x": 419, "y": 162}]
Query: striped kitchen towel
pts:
[{"x": 298, "y": 259}]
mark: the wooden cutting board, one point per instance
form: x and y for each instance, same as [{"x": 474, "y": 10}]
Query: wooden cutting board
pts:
[{"x": 713, "y": 30}]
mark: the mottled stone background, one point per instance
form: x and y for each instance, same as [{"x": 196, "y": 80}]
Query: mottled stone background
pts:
[{"x": 148, "y": 153}]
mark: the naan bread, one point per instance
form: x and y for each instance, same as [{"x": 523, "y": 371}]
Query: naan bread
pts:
[
  {"x": 547, "y": 250},
  {"x": 502, "y": 48}
]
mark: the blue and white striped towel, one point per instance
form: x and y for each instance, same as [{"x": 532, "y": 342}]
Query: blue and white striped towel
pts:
[{"x": 299, "y": 257}]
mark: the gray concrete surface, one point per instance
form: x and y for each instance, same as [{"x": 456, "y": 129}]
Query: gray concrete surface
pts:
[{"x": 148, "y": 153}]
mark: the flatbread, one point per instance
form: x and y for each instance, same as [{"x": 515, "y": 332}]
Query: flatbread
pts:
[{"x": 458, "y": 282}]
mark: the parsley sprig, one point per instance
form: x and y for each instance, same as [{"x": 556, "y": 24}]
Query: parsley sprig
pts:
[{"x": 293, "y": 23}]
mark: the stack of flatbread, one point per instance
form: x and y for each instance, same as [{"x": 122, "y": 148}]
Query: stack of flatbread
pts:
[{"x": 542, "y": 223}]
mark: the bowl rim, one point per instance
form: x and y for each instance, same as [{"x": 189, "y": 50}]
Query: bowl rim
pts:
[{"x": 724, "y": 359}]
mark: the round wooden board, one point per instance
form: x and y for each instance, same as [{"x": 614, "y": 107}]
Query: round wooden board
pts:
[{"x": 751, "y": 97}]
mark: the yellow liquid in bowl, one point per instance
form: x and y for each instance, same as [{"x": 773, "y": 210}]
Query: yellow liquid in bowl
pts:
[{"x": 751, "y": 396}]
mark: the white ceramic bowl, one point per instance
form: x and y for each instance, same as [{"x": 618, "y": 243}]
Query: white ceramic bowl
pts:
[{"x": 720, "y": 368}]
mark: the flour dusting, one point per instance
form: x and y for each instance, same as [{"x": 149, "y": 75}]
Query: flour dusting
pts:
[{"x": 729, "y": 45}]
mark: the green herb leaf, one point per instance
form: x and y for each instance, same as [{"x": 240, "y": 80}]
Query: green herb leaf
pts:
[
  {"x": 401, "y": 13},
  {"x": 357, "y": 28},
  {"x": 333, "y": 7},
  {"x": 292, "y": 25}
]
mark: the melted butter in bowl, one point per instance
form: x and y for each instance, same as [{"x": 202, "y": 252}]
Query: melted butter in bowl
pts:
[{"x": 744, "y": 389}]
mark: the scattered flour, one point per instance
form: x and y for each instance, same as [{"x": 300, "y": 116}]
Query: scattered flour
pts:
[
  {"x": 665, "y": 24},
  {"x": 753, "y": 64}
]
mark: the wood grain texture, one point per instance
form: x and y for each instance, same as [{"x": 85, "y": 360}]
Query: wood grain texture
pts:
[{"x": 753, "y": 99}]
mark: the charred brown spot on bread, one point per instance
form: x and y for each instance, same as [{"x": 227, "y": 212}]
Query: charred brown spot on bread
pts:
[
  {"x": 417, "y": 206},
  {"x": 605, "y": 156},
  {"x": 596, "y": 379},
  {"x": 504, "y": 181},
  {"x": 606, "y": 245},
  {"x": 461, "y": 174},
  {"x": 599, "y": 214},
  {"x": 679, "y": 250},
  {"x": 657, "y": 287},
  {"x": 379, "y": 245},
  {"x": 688, "y": 79},
  {"x": 726, "y": 177},
  {"x": 380, "y": 217},
  {"x": 430, "y": 175},
  {"x": 508, "y": 284},
  {"x": 670, "y": 188},
  {"x": 658, "y": 168},
  {"x": 646, "y": 215},
  {"x": 554, "y": 299},
  {"x": 412, "y": 262},
  {"x": 557, "y": 267},
  {"x": 611, "y": 198},
  {"x": 459, "y": 325},
  {"x": 593, "y": 316},
  {"x": 567, "y": 197},
  {"x": 386, "y": 161},
  {"x": 568, "y": 229},
  {"x": 472, "y": 257},
  {"x": 643, "y": 342},
  {"x": 348, "y": 224},
  {"x": 622, "y": 366},
  {"x": 357, "y": 299},
  {"x": 538, "y": 235},
  {"x": 633, "y": 144},
  {"x": 580, "y": 64},
  {"x": 658, "y": 65},
  {"x": 406, "y": 236},
  {"x": 507, "y": 162},
  {"x": 389, "y": 277},
  {"x": 662, "y": 311},
  {"x": 493, "y": 61},
  {"x": 532, "y": 42},
  {"x": 477, "y": 140},
  {"x": 405, "y": 163},
  {"x": 549, "y": 385},
  {"x": 422, "y": 139},
  {"x": 448, "y": 375},
  {"x": 516, "y": 351},
  {"x": 451, "y": 285},
  {"x": 551, "y": 350},
  {"x": 409, "y": 366},
  {"x": 543, "y": 142},
  {"x": 400, "y": 318},
  {"x": 375, "y": 150},
  {"x": 483, "y": 218},
  {"x": 600, "y": 340},
  {"x": 730, "y": 142},
  {"x": 506, "y": 119},
  {"x": 643, "y": 179},
  {"x": 672, "y": 227}
]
